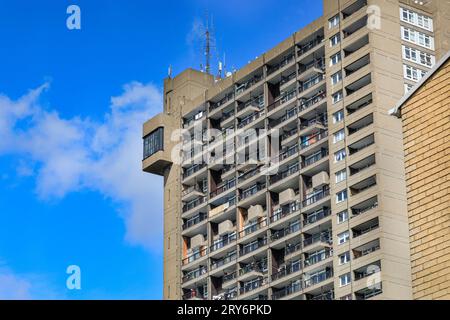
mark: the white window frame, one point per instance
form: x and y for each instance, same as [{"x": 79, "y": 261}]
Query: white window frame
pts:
[
  {"x": 335, "y": 59},
  {"x": 343, "y": 237},
  {"x": 339, "y": 136},
  {"x": 338, "y": 96},
  {"x": 342, "y": 216},
  {"x": 344, "y": 258},
  {"x": 334, "y": 21},
  {"x": 341, "y": 196},
  {"x": 416, "y": 19},
  {"x": 341, "y": 176},
  {"x": 341, "y": 153},
  {"x": 336, "y": 78},
  {"x": 417, "y": 37},
  {"x": 338, "y": 116},
  {"x": 335, "y": 40},
  {"x": 413, "y": 74},
  {"x": 420, "y": 57},
  {"x": 345, "y": 279}
]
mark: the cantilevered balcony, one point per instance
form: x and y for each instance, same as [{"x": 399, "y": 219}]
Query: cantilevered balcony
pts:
[
  {"x": 290, "y": 58},
  {"x": 223, "y": 242},
  {"x": 252, "y": 228},
  {"x": 283, "y": 99},
  {"x": 316, "y": 197},
  {"x": 287, "y": 291},
  {"x": 314, "y": 158},
  {"x": 194, "y": 274},
  {"x": 324, "y": 237},
  {"x": 223, "y": 101},
  {"x": 193, "y": 170},
  {"x": 283, "y": 233},
  {"x": 310, "y": 140},
  {"x": 292, "y": 170},
  {"x": 316, "y": 216},
  {"x": 308, "y": 46},
  {"x": 252, "y": 285},
  {"x": 228, "y": 259},
  {"x": 247, "y": 120},
  {"x": 195, "y": 256},
  {"x": 247, "y": 84},
  {"x": 223, "y": 187},
  {"x": 287, "y": 270},
  {"x": 289, "y": 115},
  {"x": 317, "y": 277},
  {"x": 316, "y": 257},
  {"x": 249, "y": 192},
  {"x": 311, "y": 82},
  {"x": 253, "y": 270},
  {"x": 284, "y": 211},
  {"x": 313, "y": 101},
  {"x": 252, "y": 247},
  {"x": 189, "y": 223},
  {"x": 306, "y": 71}
]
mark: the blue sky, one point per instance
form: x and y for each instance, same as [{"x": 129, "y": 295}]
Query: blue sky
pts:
[{"x": 71, "y": 108}]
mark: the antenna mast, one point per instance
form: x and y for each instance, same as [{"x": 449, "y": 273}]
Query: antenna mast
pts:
[{"x": 207, "y": 47}]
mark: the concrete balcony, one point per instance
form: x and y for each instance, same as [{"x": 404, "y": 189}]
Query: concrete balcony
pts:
[
  {"x": 292, "y": 291},
  {"x": 286, "y": 273}
]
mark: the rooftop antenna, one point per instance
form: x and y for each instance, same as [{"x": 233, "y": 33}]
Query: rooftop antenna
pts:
[
  {"x": 169, "y": 71},
  {"x": 207, "y": 46}
]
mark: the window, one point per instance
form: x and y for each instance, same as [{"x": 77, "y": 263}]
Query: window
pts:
[
  {"x": 336, "y": 78},
  {"x": 343, "y": 237},
  {"x": 337, "y": 97},
  {"x": 335, "y": 40},
  {"x": 412, "y": 73},
  {"x": 340, "y": 155},
  {"x": 342, "y": 217},
  {"x": 408, "y": 87},
  {"x": 335, "y": 59},
  {"x": 345, "y": 279},
  {"x": 339, "y": 136},
  {"x": 341, "y": 196},
  {"x": 338, "y": 116},
  {"x": 341, "y": 176},
  {"x": 153, "y": 142},
  {"x": 416, "y": 19},
  {"x": 333, "y": 22},
  {"x": 418, "y": 56},
  {"x": 418, "y": 38},
  {"x": 344, "y": 258}
]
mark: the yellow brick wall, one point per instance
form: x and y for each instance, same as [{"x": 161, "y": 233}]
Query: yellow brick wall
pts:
[{"x": 426, "y": 127}]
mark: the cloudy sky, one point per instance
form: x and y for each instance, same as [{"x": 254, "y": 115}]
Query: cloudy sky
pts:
[{"x": 72, "y": 103}]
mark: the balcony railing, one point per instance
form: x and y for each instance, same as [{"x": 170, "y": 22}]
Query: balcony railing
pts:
[
  {"x": 288, "y": 96},
  {"x": 249, "y": 119},
  {"x": 357, "y": 212},
  {"x": 289, "y": 134},
  {"x": 240, "y": 88},
  {"x": 252, "y": 286},
  {"x": 195, "y": 220},
  {"x": 194, "y": 294},
  {"x": 286, "y": 270},
  {"x": 317, "y": 216},
  {"x": 289, "y": 115},
  {"x": 260, "y": 267},
  {"x": 229, "y": 277},
  {"x": 314, "y": 139},
  {"x": 318, "y": 257},
  {"x": 223, "y": 243},
  {"x": 287, "y": 173},
  {"x": 319, "y": 237},
  {"x": 285, "y": 211},
  {"x": 311, "y": 82},
  {"x": 247, "y": 175},
  {"x": 252, "y": 228},
  {"x": 193, "y": 204},
  {"x": 287, "y": 60},
  {"x": 292, "y": 248},
  {"x": 252, "y": 247},
  {"x": 194, "y": 169},
  {"x": 191, "y": 190},
  {"x": 288, "y": 153},
  {"x": 221, "y": 262},
  {"x": 310, "y": 45},
  {"x": 319, "y": 64},
  {"x": 293, "y": 288},
  {"x": 319, "y": 120},
  {"x": 316, "y": 197},
  {"x": 280, "y": 234},
  {"x": 223, "y": 188},
  {"x": 308, "y": 103},
  {"x": 222, "y": 102},
  {"x": 247, "y": 193},
  {"x": 318, "y": 278},
  {"x": 289, "y": 77},
  {"x": 329, "y": 295},
  {"x": 196, "y": 256},
  {"x": 195, "y": 274},
  {"x": 315, "y": 158},
  {"x": 257, "y": 102}
]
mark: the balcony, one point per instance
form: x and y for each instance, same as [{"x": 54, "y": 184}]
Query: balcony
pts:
[
  {"x": 366, "y": 249},
  {"x": 283, "y": 175},
  {"x": 286, "y": 61},
  {"x": 216, "y": 264},
  {"x": 251, "y": 118},
  {"x": 316, "y": 197},
  {"x": 285, "y": 211},
  {"x": 253, "y": 105},
  {"x": 240, "y": 88},
  {"x": 228, "y": 97},
  {"x": 363, "y": 185},
  {"x": 192, "y": 170},
  {"x": 364, "y": 207},
  {"x": 195, "y": 294},
  {"x": 355, "y": 27},
  {"x": 252, "y": 228},
  {"x": 318, "y": 278},
  {"x": 252, "y": 286},
  {"x": 280, "y": 234},
  {"x": 353, "y": 8},
  {"x": 194, "y": 221},
  {"x": 356, "y": 46},
  {"x": 291, "y": 250},
  {"x": 248, "y": 175},
  {"x": 251, "y": 247},
  {"x": 323, "y": 237},
  {"x": 357, "y": 65},
  {"x": 288, "y": 134},
  {"x": 358, "y": 84},
  {"x": 195, "y": 256},
  {"x": 311, "y": 82},
  {"x": 195, "y": 274},
  {"x": 229, "y": 279},
  {"x": 360, "y": 124},
  {"x": 362, "y": 165},
  {"x": 314, "y": 158},
  {"x": 247, "y": 193},
  {"x": 365, "y": 228},
  {"x": 318, "y": 256},
  {"x": 313, "y": 139},
  {"x": 288, "y": 290},
  {"x": 287, "y": 270},
  {"x": 316, "y": 216},
  {"x": 329, "y": 295},
  {"x": 281, "y": 100},
  {"x": 368, "y": 293},
  {"x": 223, "y": 187},
  {"x": 290, "y": 114},
  {"x": 224, "y": 242},
  {"x": 192, "y": 193},
  {"x": 313, "y": 101},
  {"x": 361, "y": 144},
  {"x": 359, "y": 104},
  {"x": 303, "y": 49},
  {"x": 252, "y": 270},
  {"x": 315, "y": 66},
  {"x": 193, "y": 204}
]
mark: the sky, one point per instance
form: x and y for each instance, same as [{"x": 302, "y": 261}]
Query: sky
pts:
[{"x": 72, "y": 105}]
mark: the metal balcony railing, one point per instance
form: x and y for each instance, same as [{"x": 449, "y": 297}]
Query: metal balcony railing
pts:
[
  {"x": 316, "y": 197},
  {"x": 287, "y": 270},
  {"x": 194, "y": 204},
  {"x": 318, "y": 257},
  {"x": 288, "y": 96},
  {"x": 287, "y": 173},
  {"x": 310, "y": 45},
  {"x": 221, "y": 262},
  {"x": 197, "y": 273},
  {"x": 194, "y": 169},
  {"x": 285, "y": 211},
  {"x": 315, "y": 158},
  {"x": 223, "y": 243},
  {"x": 252, "y": 286},
  {"x": 228, "y": 185},
  {"x": 287, "y": 60},
  {"x": 249, "y": 119},
  {"x": 196, "y": 256},
  {"x": 254, "y": 267},
  {"x": 318, "y": 278},
  {"x": 246, "y": 249},
  {"x": 308, "y": 103},
  {"x": 252, "y": 228},
  {"x": 317, "y": 216},
  {"x": 319, "y": 237},
  {"x": 252, "y": 190},
  {"x": 312, "y": 82},
  {"x": 280, "y": 234},
  {"x": 195, "y": 220},
  {"x": 314, "y": 139},
  {"x": 293, "y": 288},
  {"x": 222, "y": 102}
]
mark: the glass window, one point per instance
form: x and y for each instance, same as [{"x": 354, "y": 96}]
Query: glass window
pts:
[
  {"x": 341, "y": 176},
  {"x": 336, "y": 58},
  {"x": 345, "y": 279},
  {"x": 338, "y": 116},
  {"x": 342, "y": 216},
  {"x": 337, "y": 97},
  {"x": 344, "y": 258},
  {"x": 340, "y": 155},
  {"x": 341, "y": 196},
  {"x": 343, "y": 237},
  {"x": 335, "y": 40},
  {"x": 153, "y": 142},
  {"x": 339, "y": 136},
  {"x": 336, "y": 78},
  {"x": 333, "y": 22}
]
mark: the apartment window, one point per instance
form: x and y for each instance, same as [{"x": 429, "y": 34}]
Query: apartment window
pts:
[
  {"x": 418, "y": 38},
  {"x": 339, "y": 136},
  {"x": 344, "y": 258},
  {"x": 335, "y": 40},
  {"x": 342, "y": 217},
  {"x": 343, "y": 237},
  {"x": 419, "y": 57},
  {"x": 333, "y": 22},
  {"x": 341, "y": 176},
  {"x": 340, "y": 155},
  {"x": 335, "y": 59},
  {"x": 408, "y": 87},
  {"x": 336, "y": 78},
  {"x": 412, "y": 73},
  {"x": 345, "y": 280},
  {"x": 338, "y": 116},
  {"x": 416, "y": 19},
  {"x": 153, "y": 142},
  {"x": 338, "y": 96},
  {"x": 341, "y": 196}
]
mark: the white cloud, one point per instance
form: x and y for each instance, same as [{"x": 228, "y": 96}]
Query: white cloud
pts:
[{"x": 70, "y": 155}]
